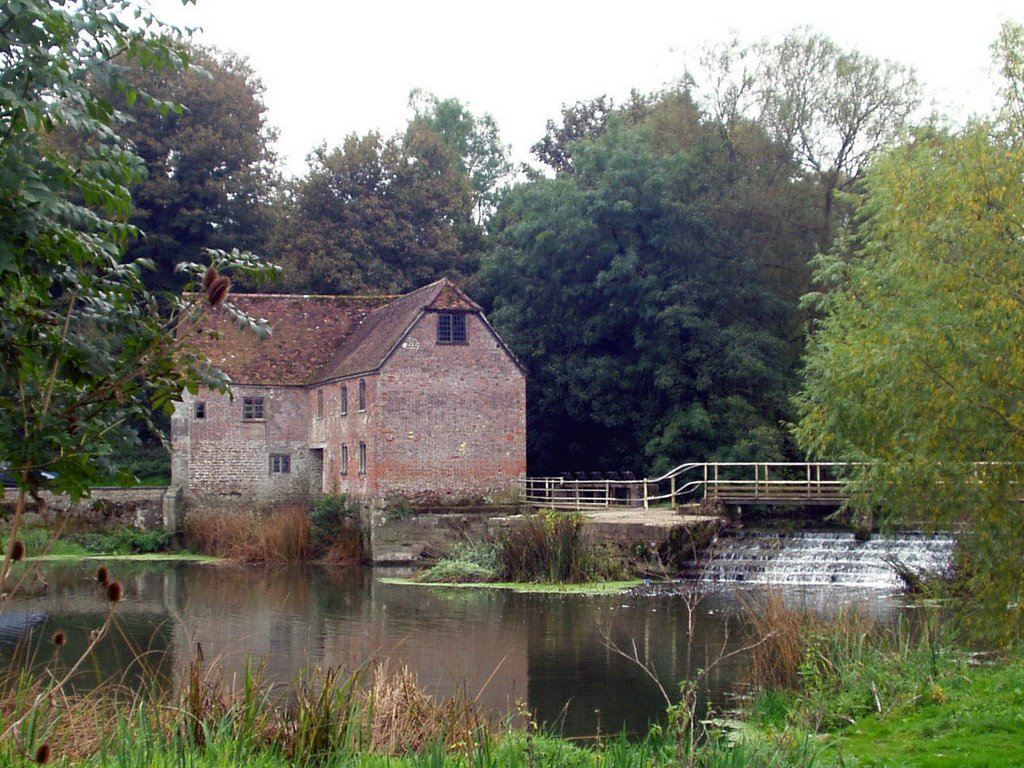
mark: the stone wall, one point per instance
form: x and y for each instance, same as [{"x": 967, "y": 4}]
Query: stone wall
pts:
[
  {"x": 397, "y": 535},
  {"x": 139, "y": 507}
]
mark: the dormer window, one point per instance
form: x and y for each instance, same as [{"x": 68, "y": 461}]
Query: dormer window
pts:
[{"x": 451, "y": 328}]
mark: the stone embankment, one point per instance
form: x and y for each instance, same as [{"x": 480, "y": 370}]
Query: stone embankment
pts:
[{"x": 141, "y": 507}]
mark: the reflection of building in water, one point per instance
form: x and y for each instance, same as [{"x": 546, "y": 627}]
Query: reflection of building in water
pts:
[{"x": 296, "y": 620}]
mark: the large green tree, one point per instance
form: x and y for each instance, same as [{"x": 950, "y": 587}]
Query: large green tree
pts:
[
  {"x": 915, "y": 373},
  {"x": 831, "y": 108},
  {"x": 379, "y": 215},
  {"x": 210, "y": 173},
  {"x": 85, "y": 349},
  {"x": 632, "y": 289}
]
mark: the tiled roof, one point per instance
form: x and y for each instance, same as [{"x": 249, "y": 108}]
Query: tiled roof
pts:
[
  {"x": 307, "y": 333},
  {"x": 317, "y": 338}
]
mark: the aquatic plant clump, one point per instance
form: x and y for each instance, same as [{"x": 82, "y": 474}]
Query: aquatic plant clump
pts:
[{"x": 552, "y": 546}]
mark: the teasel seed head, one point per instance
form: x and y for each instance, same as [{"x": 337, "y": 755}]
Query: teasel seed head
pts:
[
  {"x": 43, "y": 754},
  {"x": 115, "y": 591},
  {"x": 209, "y": 277},
  {"x": 17, "y": 550},
  {"x": 102, "y": 575},
  {"x": 218, "y": 291}
]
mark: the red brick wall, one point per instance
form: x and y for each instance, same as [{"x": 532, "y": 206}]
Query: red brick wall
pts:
[
  {"x": 450, "y": 419},
  {"x": 349, "y": 429}
]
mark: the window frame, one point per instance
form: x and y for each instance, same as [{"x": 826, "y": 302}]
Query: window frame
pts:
[
  {"x": 452, "y": 328},
  {"x": 344, "y": 459},
  {"x": 280, "y": 464},
  {"x": 362, "y": 395},
  {"x": 362, "y": 458},
  {"x": 344, "y": 399},
  {"x": 199, "y": 410},
  {"x": 320, "y": 403},
  {"x": 253, "y": 404}
]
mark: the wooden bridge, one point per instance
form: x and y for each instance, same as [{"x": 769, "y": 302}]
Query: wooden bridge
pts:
[{"x": 733, "y": 483}]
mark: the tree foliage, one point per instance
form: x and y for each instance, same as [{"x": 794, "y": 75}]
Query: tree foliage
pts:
[
  {"x": 915, "y": 372},
  {"x": 85, "y": 348},
  {"x": 630, "y": 288},
  {"x": 210, "y": 170},
  {"x": 379, "y": 215},
  {"x": 476, "y": 143},
  {"x": 832, "y": 109}
]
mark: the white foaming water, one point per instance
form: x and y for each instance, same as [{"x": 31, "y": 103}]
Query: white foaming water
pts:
[{"x": 818, "y": 558}]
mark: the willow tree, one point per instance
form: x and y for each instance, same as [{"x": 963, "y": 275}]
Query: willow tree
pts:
[{"x": 917, "y": 371}]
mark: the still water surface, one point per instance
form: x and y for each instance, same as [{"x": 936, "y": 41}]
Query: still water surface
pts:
[{"x": 550, "y": 652}]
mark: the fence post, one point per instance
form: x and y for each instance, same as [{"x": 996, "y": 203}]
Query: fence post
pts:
[
  {"x": 646, "y": 504},
  {"x": 673, "y": 496}
]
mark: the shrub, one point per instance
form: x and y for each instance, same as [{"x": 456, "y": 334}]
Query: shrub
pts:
[
  {"x": 469, "y": 562},
  {"x": 124, "y": 540},
  {"x": 329, "y": 518}
]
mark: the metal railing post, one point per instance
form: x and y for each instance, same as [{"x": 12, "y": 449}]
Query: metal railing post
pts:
[{"x": 646, "y": 503}]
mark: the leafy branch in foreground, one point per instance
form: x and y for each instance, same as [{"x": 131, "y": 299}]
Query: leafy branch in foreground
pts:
[{"x": 86, "y": 351}]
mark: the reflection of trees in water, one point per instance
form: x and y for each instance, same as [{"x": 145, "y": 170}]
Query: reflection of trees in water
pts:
[{"x": 547, "y": 649}]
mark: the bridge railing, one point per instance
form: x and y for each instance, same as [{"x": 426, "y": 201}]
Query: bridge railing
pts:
[{"x": 733, "y": 482}]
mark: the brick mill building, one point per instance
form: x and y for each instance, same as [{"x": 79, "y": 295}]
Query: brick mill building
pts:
[{"x": 415, "y": 395}]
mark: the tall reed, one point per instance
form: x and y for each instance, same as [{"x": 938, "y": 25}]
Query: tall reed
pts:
[{"x": 279, "y": 536}]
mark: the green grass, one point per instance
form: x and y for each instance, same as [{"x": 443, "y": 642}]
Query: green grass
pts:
[
  {"x": 974, "y": 719},
  {"x": 591, "y": 588}
]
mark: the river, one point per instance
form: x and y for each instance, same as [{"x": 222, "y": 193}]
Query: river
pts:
[{"x": 553, "y": 654}]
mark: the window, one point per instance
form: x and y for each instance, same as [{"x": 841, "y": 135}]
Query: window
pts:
[
  {"x": 252, "y": 409},
  {"x": 344, "y": 399},
  {"x": 362, "y": 458},
  {"x": 280, "y": 463},
  {"x": 319, "y": 403},
  {"x": 344, "y": 459},
  {"x": 200, "y": 409},
  {"x": 362, "y": 394},
  {"x": 451, "y": 328}
]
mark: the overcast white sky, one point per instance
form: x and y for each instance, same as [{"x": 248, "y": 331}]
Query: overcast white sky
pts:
[{"x": 333, "y": 67}]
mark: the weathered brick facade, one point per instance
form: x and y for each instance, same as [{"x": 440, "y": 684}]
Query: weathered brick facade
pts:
[{"x": 400, "y": 406}]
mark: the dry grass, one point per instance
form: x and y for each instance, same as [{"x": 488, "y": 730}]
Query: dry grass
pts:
[
  {"x": 404, "y": 718},
  {"x": 775, "y": 662},
  {"x": 347, "y": 546},
  {"x": 279, "y": 536}
]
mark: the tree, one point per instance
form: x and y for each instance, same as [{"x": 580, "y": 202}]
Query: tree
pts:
[
  {"x": 832, "y": 109},
  {"x": 379, "y": 215},
  {"x": 476, "y": 143},
  {"x": 584, "y": 120},
  {"x": 631, "y": 290},
  {"x": 915, "y": 372},
  {"x": 84, "y": 347},
  {"x": 210, "y": 170}
]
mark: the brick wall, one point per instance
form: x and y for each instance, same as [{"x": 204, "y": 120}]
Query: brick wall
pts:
[
  {"x": 223, "y": 458},
  {"x": 443, "y": 420}
]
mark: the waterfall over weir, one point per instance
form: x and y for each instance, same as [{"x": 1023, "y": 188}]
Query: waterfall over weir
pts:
[{"x": 819, "y": 557}]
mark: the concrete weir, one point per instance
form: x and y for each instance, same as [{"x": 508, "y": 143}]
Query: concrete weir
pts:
[{"x": 415, "y": 535}]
